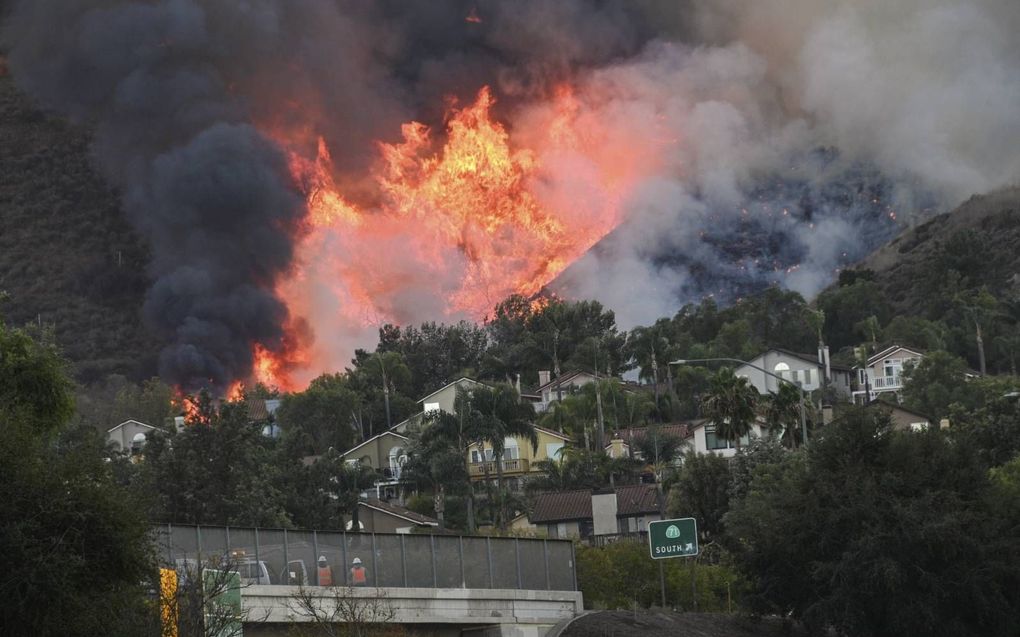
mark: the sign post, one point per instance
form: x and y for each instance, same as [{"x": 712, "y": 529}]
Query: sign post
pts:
[{"x": 672, "y": 538}]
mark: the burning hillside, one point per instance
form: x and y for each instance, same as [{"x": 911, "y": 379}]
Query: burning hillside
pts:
[
  {"x": 464, "y": 219},
  {"x": 306, "y": 170}
]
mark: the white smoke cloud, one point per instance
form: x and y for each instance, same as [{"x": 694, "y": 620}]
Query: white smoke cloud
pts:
[{"x": 923, "y": 92}]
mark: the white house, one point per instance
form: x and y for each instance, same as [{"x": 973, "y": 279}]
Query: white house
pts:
[
  {"x": 551, "y": 389},
  {"x": 802, "y": 369},
  {"x": 883, "y": 372},
  {"x": 703, "y": 438},
  {"x": 130, "y": 435}
]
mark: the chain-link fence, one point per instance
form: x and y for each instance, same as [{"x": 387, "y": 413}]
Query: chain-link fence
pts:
[{"x": 324, "y": 558}]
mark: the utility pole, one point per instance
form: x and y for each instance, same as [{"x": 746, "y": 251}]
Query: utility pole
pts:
[{"x": 386, "y": 392}]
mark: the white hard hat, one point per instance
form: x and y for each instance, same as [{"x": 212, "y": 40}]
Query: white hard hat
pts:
[{"x": 357, "y": 560}]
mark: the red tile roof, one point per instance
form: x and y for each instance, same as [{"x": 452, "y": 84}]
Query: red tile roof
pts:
[
  {"x": 637, "y": 500},
  {"x": 560, "y": 507}
]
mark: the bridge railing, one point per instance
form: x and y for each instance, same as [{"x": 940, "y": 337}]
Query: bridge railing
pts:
[{"x": 321, "y": 558}]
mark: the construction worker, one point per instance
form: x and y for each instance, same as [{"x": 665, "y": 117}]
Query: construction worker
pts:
[
  {"x": 359, "y": 576},
  {"x": 325, "y": 572}
]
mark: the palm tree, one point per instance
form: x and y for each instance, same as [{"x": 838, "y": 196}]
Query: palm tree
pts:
[
  {"x": 781, "y": 411},
  {"x": 730, "y": 405},
  {"x": 659, "y": 449},
  {"x": 501, "y": 415},
  {"x": 346, "y": 483}
]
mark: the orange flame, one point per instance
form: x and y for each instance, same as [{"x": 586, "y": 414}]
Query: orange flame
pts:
[
  {"x": 459, "y": 225},
  {"x": 472, "y": 16}
]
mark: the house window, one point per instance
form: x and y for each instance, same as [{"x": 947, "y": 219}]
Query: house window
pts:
[
  {"x": 780, "y": 368},
  {"x": 510, "y": 449},
  {"x": 552, "y": 450},
  {"x": 807, "y": 376},
  {"x": 715, "y": 441},
  {"x": 430, "y": 407}
]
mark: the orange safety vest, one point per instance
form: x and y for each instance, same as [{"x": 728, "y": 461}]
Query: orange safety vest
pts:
[
  {"x": 358, "y": 575},
  {"x": 325, "y": 576}
]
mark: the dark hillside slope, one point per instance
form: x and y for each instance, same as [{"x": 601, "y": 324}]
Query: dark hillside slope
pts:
[
  {"x": 67, "y": 256},
  {"x": 979, "y": 240}
]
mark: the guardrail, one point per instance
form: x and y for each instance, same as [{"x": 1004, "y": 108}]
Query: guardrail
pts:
[{"x": 321, "y": 558}]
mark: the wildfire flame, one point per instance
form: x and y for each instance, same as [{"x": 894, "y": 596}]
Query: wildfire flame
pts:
[{"x": 461, "y": 222}]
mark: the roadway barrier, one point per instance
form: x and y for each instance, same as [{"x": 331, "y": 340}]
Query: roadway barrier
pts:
[{"x": 315, "y": 558}]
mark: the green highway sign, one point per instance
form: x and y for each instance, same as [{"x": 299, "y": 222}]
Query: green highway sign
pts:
[{"x": 673, "y": 538}]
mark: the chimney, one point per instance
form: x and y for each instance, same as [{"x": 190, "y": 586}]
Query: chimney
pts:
[
  {"x": 518, "y": 386},
  {"x": 826, "y": 414},
  {"x": 828, "y": 364},
  {"x": 944, "y": 423},
  {"x": 179, "y": 423},
  {"x": 543, "y": 377}
]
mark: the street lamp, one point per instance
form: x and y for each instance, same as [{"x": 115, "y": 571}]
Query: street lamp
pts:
[{"x": 803, "y": 417}]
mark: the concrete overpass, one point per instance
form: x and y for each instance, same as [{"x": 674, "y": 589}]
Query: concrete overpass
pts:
[
  {"x": 272, "y": 610},
  {"x": 441, "y": 584}
]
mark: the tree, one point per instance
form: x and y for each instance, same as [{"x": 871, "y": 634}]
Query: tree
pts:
[
  {"x": 215, "y": 473},
  {"x": 326, "y": 412},
  {"x": 730, "y": 405},
  {"x": 701, "y": 491},
  {"x": 437, "y": 452},
  {"x": 659, "y": 449},
  {"x": 74, "y": 545},
  {"x": 875, "y": 532},
  {"x": 501, "y": 415},
  {"x": 344, "y": 482},
  {"x": 781, "y": 411},
  {"x": 936, "y": 382}
]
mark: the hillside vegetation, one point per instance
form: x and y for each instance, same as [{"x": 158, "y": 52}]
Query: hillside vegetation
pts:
[{"x": 68, "y": 259}]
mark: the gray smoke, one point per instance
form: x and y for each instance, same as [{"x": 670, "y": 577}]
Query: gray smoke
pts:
[{"x": 804, "y": 127}]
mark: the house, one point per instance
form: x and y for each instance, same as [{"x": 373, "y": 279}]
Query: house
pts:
[
  {"x": 882, "y": 373},
  {"x": 384, "y": 453},
  {"x": 551, "y": 389},
  {"x": 624, "y": 442},
  {"x": 378, "y": 516},
  {"x": 903, "y": 418},
  {"x": 129, "y": 436},
  {"x": 443, "y": 399},
  {"x": 703, "y": 438},
  {"x": 587, "y": 514},
  {"x": 807, "y": 371},
  {"x": 519, "y": 458}
]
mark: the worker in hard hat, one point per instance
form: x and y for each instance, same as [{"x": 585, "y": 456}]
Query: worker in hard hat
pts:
[
  {"x": 325, "y": 572},
  {"x": 359, "y": 576}
]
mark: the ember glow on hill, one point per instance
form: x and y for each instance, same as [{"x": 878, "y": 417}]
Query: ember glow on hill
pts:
[{"x": 465, "y": 217}]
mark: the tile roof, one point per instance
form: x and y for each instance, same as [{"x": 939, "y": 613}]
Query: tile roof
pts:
[
  {"x": 560, "y": 507},
  {"x": 257, "y": 410},
  {"x": 565, "y": 506},
  {"x": 681, "y": 430},
  {"x": 400, "y": 511},
  {"x": 637, "y": 500}
]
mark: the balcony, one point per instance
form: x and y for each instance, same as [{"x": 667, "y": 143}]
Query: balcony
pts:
[
  {"x": 888, "y": 382},
  {"x": 478, "y": 469}
]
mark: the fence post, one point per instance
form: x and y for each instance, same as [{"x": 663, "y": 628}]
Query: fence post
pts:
[
  {"x": 517, "y": 559},
  {"x": 488, "y": 557},
  {"x": 375, "y": 566},
  {"x": 286, "y": 560},
  {"x": 573, "y": 562},
  {"x": 343, "y": 554},
  {"x": 226, "y": 549},
  {"x": 403, "y": 562},
  {"x": 432, "y": 550},
  {"x": 198, "y": 545},
  {"x": 545, "y": 556},
  {"x": 170, "y": 544},
  {"x": 460, "y": 551},
  {"x": 315, "y": 556},
  {"x": 258, "y": 561}
]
